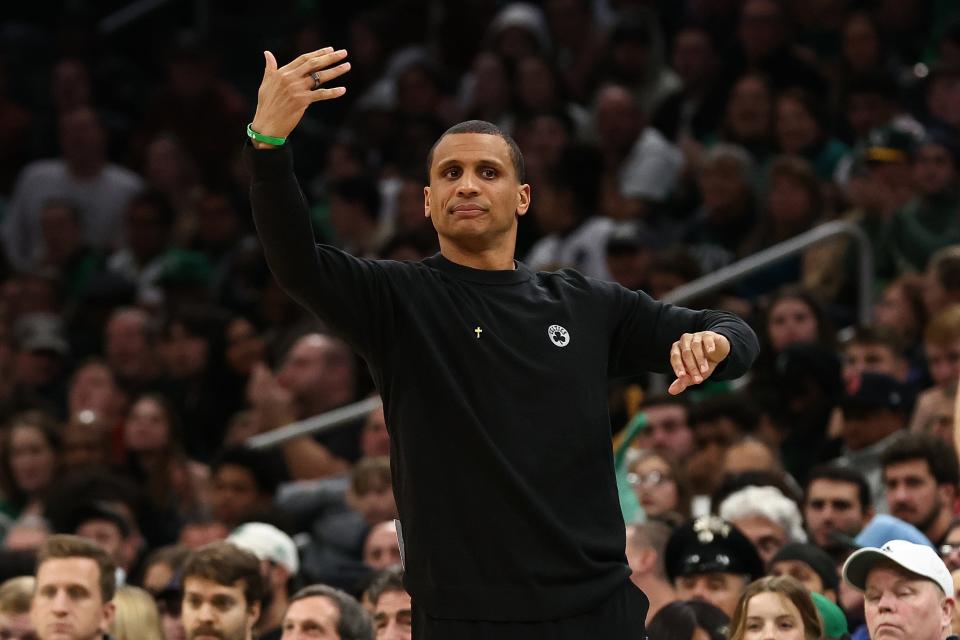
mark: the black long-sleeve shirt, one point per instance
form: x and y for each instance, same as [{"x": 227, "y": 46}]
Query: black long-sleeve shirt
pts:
[{"x": 495, "y": 392}]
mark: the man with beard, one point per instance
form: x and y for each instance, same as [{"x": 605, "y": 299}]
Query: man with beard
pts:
[
  {"x": 920, "y": 475},
  {"x": 222, "y": 590}
]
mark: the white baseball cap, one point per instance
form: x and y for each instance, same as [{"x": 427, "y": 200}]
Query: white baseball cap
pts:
[
  {"x": 267, "y": 543},
  {"x": 918, "y": 559}
]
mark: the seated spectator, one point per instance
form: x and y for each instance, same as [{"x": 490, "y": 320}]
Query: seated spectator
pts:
[
  {"x": 83, "y": 174},
  {"x": 65, "y": 565},
  {"x": 837, "y": 500},
  {"x": 64, "y": 248},
  {"x": 884, "y": 574},
  {"x": 392, "y": 612},
  {"x": 86, "y": 442},
  {"x": 147, "y": 233},
  {"x": 155, "y": 457},
  {"x": 107, "y": 525},
  {"x": 222, "y": 592},
  {"x": 40, "y": 363},
  {"x": 573, "y": 236},
  {"x": 766, "y": 517},
  {"x": 326, "y": 611},
  {"x": 874, "y": 416},
  {"x": 927, "y": 222},
  {"x": 772, "y": 604},
  {"x": 950, "y": 548},
  {"x": 135, "y": 616},
  {"x": 130, "y": 338},
  {"x": 748, "y": 118},
  {"x": 709, "y": 559},
  {"x": 942, "y": 280},
  {"x": 381, "y": 549},
  {"x": 630, "y": 249},
  {"x": 689, "y": 620},
  {"x": 727, "y": 213},
  {"x": 921, "y": 478},
  {"x": 29, "y": 462},
  {"x": 941, "y": 345},
  {"x": 16, "y": 596},
  {"x": 901, "y": 309},
  {"x": 279, "y": 565},
  {"x": 802, "y": 129},
  {"x": 646, "y": 546},
  {"x": 243, "y": 483},
  {"x": 661, "y": 487},
  {"x": 667, "y": 432},
  {"x": 641, "y": 165},
  {"x": 161, "y": 566},
  {"x": 810, "y": 566}
]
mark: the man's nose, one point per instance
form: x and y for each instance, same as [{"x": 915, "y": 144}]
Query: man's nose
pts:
[
  {"x": 61, "y": 602},
  {"x": 467, "y": 185}
]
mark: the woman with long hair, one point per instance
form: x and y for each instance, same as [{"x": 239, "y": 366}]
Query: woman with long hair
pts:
[
  {"x": 29, "y": 460},
  {"x": 776, "y": 607}
]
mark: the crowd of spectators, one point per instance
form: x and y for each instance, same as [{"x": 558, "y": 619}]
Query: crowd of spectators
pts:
[{"x": 143, "y": 340}]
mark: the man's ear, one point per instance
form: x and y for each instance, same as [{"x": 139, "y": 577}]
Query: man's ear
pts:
[
  {"x": 254, "y": 611},
  {"x": 106, "y": 620},
  {"x": 524, "y": 203},
  {"x": 948, "y": 493},
  {"x": 946, "y": 612},
  {"x": 426, "y": 202}
]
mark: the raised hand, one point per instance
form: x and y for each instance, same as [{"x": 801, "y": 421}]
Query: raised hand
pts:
[
  {"x": 695, "y": 356},
  {"x": 286, "y": 92}
]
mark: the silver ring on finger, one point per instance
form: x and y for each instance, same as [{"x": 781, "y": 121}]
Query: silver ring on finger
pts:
[{"x": 316, "y": 80}]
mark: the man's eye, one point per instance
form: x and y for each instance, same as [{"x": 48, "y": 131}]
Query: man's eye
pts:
[
  {"x": 452, "y": 172},
  {"x": 488, "y": 173}
]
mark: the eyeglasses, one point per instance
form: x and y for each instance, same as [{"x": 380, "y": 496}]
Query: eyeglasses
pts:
[
  {"x": 652, "y": 479},
  {"x": 947, "y": 549}
]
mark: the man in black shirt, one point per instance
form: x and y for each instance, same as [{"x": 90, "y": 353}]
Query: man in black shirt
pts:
[{"x": 494, "y": 382}]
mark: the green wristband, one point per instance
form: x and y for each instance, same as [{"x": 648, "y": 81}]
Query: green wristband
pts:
[{"x": 259, "y": 137}]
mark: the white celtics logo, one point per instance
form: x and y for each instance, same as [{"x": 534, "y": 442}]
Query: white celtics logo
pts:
[{"x": 559, "y": 336}]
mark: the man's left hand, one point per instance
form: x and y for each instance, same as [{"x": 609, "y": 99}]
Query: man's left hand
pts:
[{"x": 694, "y": 358}]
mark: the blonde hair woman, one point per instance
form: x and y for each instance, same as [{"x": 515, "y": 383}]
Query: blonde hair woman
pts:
[
  {"x": 776, "y": 607},
  {"x": 136, "y": 615}
]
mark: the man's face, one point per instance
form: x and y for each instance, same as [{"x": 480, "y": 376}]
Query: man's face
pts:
[
  {"x": 800, "y": 571},
  {"x": 106, "y": 534},
  {"x": 832, "y": 506},
  {"x": 318, "y": 371},
  {"x": 68, "y": 604},
  {"x": 912, "y": 493},
  {"x": 16, "y": 626},
  {"x": 933, "y": 169},
  {"x": 667, "y": 431},
  {"x": 213, "y": 610},
  {"x": 234, "y": 493},
  {"x": 871, "y": 358},
  {"x": 474, "y": 196},
  {"x": 767, "y": 537},
  {"x": 722, "y": 590},
  {"x": 393, "y": 617},
  {"x": 901, "y": 606},
  {"x": 374, "y": 438},
  {"x": 381, "y": 549},
  {"x": 943, "y": 362},
  {"x": 315, "y": 618}
]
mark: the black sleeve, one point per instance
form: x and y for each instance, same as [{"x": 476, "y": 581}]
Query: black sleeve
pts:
[
  {"x": 648, "y": 328},
  {"x": 353, "y": 296}
]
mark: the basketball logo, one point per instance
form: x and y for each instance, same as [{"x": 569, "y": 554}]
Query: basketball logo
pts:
[{"x": 559, "y": 336}]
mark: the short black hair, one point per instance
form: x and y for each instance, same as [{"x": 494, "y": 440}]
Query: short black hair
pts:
[
  {"x": 735, "y": 407},
  {"x": 837, "y": 473},
  {"x": 940, "y": 457},
  {"x": 681, "y": 618},
  {"x": 490, "y": 129},
  {"x": 261, "y": 465},
  {"x": 875, "y": 336}
]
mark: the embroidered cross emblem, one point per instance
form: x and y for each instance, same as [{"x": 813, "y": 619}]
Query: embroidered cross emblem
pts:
[{"x": 478, "y": 331}]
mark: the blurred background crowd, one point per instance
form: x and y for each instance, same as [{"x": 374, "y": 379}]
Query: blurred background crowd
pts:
[{"x": 143, "y": 341}]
